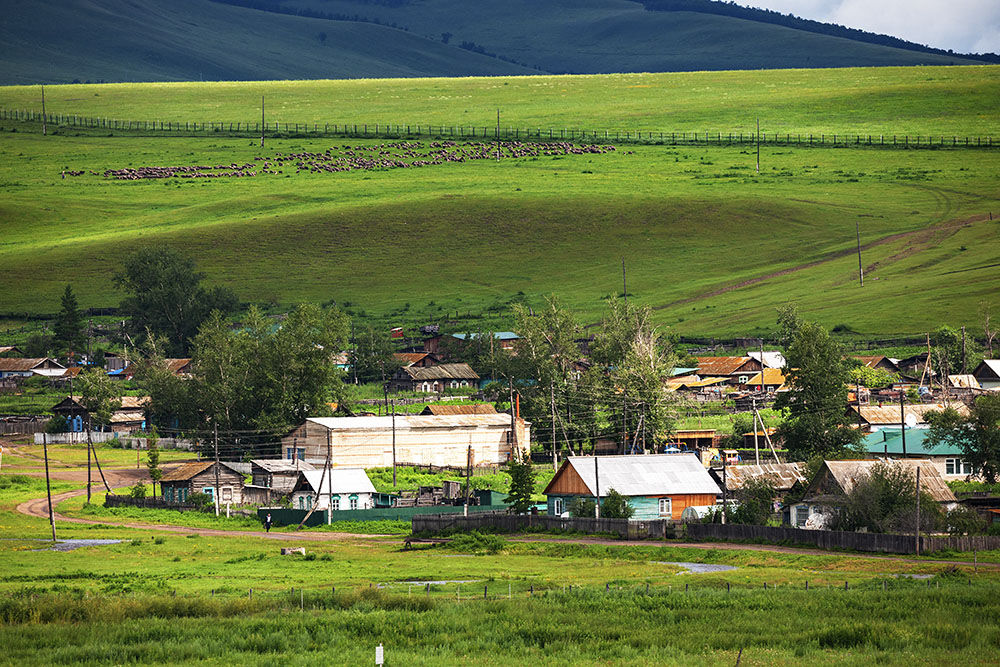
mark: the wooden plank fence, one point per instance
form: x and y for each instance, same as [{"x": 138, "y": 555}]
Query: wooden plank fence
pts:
[
  {"x": 833, "y": 539},
  {"x": 399, "y": 130},
  {"x": 517, "y": 523},
  {"x": 23, "y": 427}
]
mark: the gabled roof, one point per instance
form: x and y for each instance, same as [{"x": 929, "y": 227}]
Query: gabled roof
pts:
[
  {"x": 846, "y": 473},
  {"x": 6, "y": 349},
  {"x": 441, "y": 372},
  {"x": 989, "y": 368},
  {"x": 720, "y": 365},
  {"x": 872, "y": 361},
  {"x": 914, "y": 414},
  {"x": 185, "y": 472},
  {"x": 771, "y": 376},
  {"x": 177, "y": 366},
  {"x": 890, "y": 441},
  {"x": 338, "y": 480},
  {"x": 641, "y": 475},
  {"x": 771, "y": 359},
  {"x": 15, "y": 364},
  {"x": 282, "y": 465},
  {"x": 410, "y": 358},
  {"x": 782, "y": 476},
  {"x": 467, "y": 409},
  {"x": 965, "y": 381}
]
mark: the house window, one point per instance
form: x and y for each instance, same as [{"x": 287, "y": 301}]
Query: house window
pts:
[
  {"x": 335, "y": 503},
  {"x": 227, "y": 494},
  {"x": 743, "y": 379},
  {"x": 957, "y": 467},
  {"x": 354, "y": 502},
  {"x": 182, "y": 495},
  {"x": 801, "y": 515},
  {"x": 291, "y": 452},
  {"x": 209, "y": 491},
  {"x": 557, "y": 506},
  {"x": 168, "y": 494},
  {"x": 666, "y": 507}
]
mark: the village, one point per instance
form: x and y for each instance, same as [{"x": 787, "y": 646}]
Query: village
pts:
[{"x": 461, "y": 424}]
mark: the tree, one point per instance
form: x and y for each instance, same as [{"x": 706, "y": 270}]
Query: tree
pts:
[
  {"x": 153, "y": 459},
  {"x": 581, "y": 507},
  {"x": 38, "y": 345},
  {"x": 616, "y": 506},
  {"x": 755, "y": 502},
  {"x": 949, "y": 353},
  {"x": 978, "y": 435},
  {"x": 817, "y": 372},
  {"x": 873, "y": 378},
  {"x": 99, "y": 395},
  {"x": 164, "y": 296},
  {"x": 68, "y": 325},
  {"x": 522, "y": 486},
  {"x": 372, "y": 356},
  {"x": 883, "y": 500}
]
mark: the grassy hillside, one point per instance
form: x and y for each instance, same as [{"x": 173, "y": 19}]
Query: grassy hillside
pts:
[
  {"x": 911, "y": 100},
  {"x": 142, "y": 40},
  {"x": 60, "y": 41}
]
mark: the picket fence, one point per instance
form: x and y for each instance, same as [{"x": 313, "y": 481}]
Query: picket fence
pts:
[{"x": 400, "y": 130}]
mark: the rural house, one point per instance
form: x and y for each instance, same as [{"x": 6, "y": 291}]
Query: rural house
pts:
[
  {"x": 417, "y": 359},
  {"x": 836, "y": 479},
  {"x": 658, "y": 486},
  {"x": 342, "y": 489},
  {"x": 987, "y": 374},
  {"x": 279, "y": 475},
  {"x": 434, "y": 379},
  {"x": 367, "y": 442},
  {"x": 878, "y": 361},
  {"x": 768, "y": 380},
  {"x": 20, "y": 367},
  {"x": 872, "y": 418},
  {"x": 178, "y": 484},
  {"x": 736, "y": 370},
  {"x": 130, "y": 417},
  {"x": 948, "y": 459}
]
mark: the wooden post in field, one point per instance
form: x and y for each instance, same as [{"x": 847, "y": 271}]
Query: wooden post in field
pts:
[
  {"x": 917, "y": 532},
  {"x": 758, "y": 144},
  {"x": 262, "y": 126},
  {"x": 861, "y": 271},
  {"x": 48, "y": 484},
  {"x": 43, "y": 111},
  {"x": 498, "y": 135},
  {"x": 215, "y": 428}
]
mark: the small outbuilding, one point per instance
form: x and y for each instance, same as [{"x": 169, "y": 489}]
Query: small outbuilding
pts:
[
  {"x": 279, "y": 475},
  {"x": 657, "y": 486}
]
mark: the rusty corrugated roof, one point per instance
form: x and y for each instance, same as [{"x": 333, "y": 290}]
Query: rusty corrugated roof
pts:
[
  {"x": 442, "y": 372},
  {"x": 846, "y": 473},
  {"x": 720, "y": 365},
  {"x": 186, "y": 471},
  {"x": 410, "y": 358},
  {"x": 468, "y": 409},
  {"x": 889, "y": 414}
]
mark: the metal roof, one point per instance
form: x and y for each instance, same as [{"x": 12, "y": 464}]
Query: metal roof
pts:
[
  {"x": 890, "y": 441},
  {"x": 771, "y": 359},
  {"x": 410, "y": 358},
  {"x": 498, "y": 335},
  {"x": 966, "y": 381},
  {"x": 771, "y": 376},
  {"x": 339, "y": 480},
  {"x": 412, "y": 422},
  {"x": 645, "y": 475},
  {"x": 720, "y": 365},
  {"x": 15, "y": 364},
  {"x": 991, "y": 364},
  {"x": 781, "y": 475},
  {"x": 467, "y": 409},
  {"x": 914, "y": 414},
  {"x": 846, "y": 473},
  {"x": 282, "y": 465},
  {"x": 442, "y": 372}
]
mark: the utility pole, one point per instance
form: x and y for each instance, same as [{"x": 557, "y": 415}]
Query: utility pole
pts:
[
  {"x": 468, "y": 477},
  {"x": 902, "y": 421},
  {"x": 917, "y": 532},
  {"x": 44, "y": 127},
  {"x": 725, "y": 493},
  {"x": 861, "y": 271},
  {"x": 215, "y": 438},
  {"x": 90, "y": 446},
  {"x": 552, "y": 393},
  {"x": 597, "y": 490},
  {"x": 393, "y": 443},
  {"x": 624, "y": 284},
  {"x": 758, "y": 144},
  {"x": 48, "y": 484},
  {"x": 329, "y": 477},
  {"x": 514, "y": 454},
  {"x": 261, "y": 121},
  {"x": 964, "y": 367},
  {"x": 624, "y": 422},
  {"x": 756, "y": 448}
]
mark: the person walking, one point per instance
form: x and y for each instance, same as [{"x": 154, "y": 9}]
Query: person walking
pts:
[{"x": 267, "y": 523}]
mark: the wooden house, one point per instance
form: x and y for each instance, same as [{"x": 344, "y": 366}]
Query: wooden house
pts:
[
  {"x": 128, "y": 418},
  {"x": 446, "y": 440},
  {"x": 878, "y": 361},
  {"x": 178, "y": 484},
  {"x": 768, "y": 380},
  {"x": 279, "y": 475},
  {"x": 871, "y": 418},
  {"x": 22, "y": 367},
  {"x": 417, "y": 359},
  {"x": 337, "y": 489},
  {"x": 433, "y": 379},
  {"x": 947, "y": 458},
  {"x": 987, "y": 374},
  {"x": 736, "y": 370},
  {"x": 836, "y": 479},
  {"x": 657, "y": 486}
]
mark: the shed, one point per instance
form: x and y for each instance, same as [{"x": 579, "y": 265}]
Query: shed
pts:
[
  {"x": 987, "y": 373},
  {"x": 658, "y": 486},
  {"x": 279, "y": 475},
  {"x": 178, "y": 484},
  {"x": 346, "y": 488},
  {"x": 782, "y": 476}
]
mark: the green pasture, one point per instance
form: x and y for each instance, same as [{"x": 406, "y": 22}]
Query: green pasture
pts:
[
  {"x": 30, "y": 458},
  {"x": 938, "y": 101},
  {"x": 709, "y": 244}
]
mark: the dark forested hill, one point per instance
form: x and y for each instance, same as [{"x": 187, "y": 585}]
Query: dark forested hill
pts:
[{"x": 144, "y": 40}]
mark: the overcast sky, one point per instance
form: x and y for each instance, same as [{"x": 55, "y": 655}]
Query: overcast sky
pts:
[{"x": 966, "y": 26}]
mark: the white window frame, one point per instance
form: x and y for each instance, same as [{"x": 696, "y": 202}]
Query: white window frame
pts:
[
  {"x": 557, "y": 505},
  {"x": 335, "y": 503},
  {"x": 353, "y": 502},
  {"x": 667, "y": 503},
  {"x": 798, "y": 510}
]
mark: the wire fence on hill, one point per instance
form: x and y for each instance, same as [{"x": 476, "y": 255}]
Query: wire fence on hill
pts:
[{"x": 488, "y": 133}]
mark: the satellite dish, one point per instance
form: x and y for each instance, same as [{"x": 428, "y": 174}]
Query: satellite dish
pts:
[{"x": 911, "y": 420}]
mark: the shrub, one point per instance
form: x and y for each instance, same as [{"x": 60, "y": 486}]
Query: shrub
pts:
[
  {"x": 57, "y": 424},
  {"x": 200, "y": 500},
  {"x": 581, "y": 507},
  {"x": 615, "y": 506},
  {"x": 964, "y": 520},
  {"x": 138, "y": 491}
]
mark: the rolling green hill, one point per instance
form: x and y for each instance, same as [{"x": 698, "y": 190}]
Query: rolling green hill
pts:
[
  {"x": 710, "y": 244},
  {"x": 142, "y": 40}
]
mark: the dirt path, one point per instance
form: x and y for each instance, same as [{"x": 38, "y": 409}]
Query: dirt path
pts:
[
  {"x": 923, "y": 235},
  {"x": 736, "y": 546}
]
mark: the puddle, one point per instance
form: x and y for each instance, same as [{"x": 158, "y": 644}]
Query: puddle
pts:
[
  {"x": 698, "y": 568},
  {"x": 69, "y": 545}
]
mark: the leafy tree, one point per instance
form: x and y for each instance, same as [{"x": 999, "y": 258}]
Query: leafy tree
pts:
[
  {"x": 755, "y": 502},
  {"x": 947, "y": 353},
  {"x": 372, "y": 356},
  {"x": 817, "y": 421},
  {"x": 38, "y": 345},
  {"x": 164, "y": 296},
  {"x": 873, "y": 378},
  {"x": 883, "y": 500},
  {"x": 68, "y": 325},
  {"x": 616, "y": 506},
  {"x": 137, "y": 491},
  {"x": 581, "y": 507},
  {"x": 153, "y": 459},
  {"x": 522, "y": 486},
  {"x": 743, "y": 422},
  {"x": 99, "y": 395},
  {"x": 963, "y": 520},
  {"x": 978, "y": 435},
  {"x": 57, "y": 424}
]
